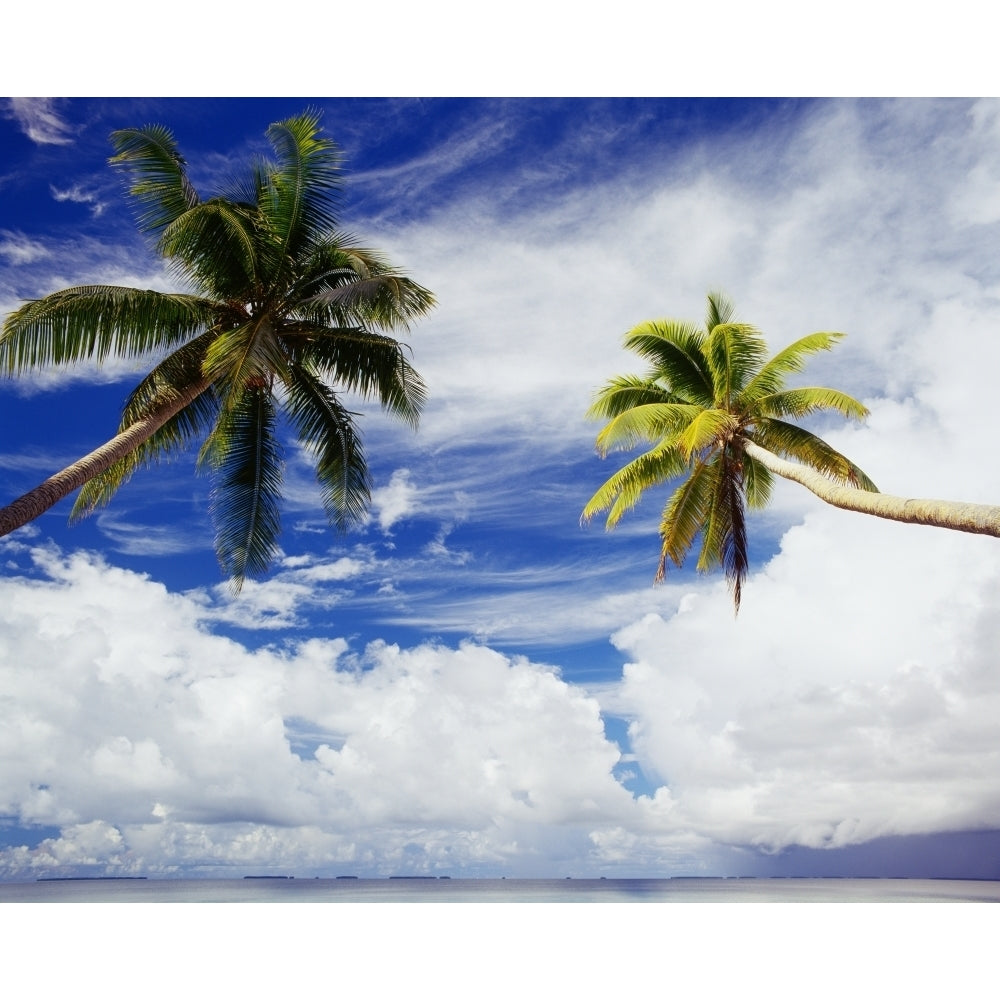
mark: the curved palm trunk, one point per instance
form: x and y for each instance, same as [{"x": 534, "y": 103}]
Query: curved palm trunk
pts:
[
  {"x": 55, "y": 488},
  {"x": 980, "y": 519}
]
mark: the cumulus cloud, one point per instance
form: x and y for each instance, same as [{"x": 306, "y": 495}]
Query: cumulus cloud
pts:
[
  {"x": 394, "y": 501},
  {"x": 849, "y": 701},
  {"x": 151, "y": 742}
]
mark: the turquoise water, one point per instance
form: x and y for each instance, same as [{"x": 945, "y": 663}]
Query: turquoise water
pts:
[{"x": 677, "y": 890}]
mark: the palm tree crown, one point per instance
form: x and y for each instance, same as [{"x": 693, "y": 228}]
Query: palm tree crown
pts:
[
  {"x": 709, "y": 398},
  {"x": 284, "y": 311}
]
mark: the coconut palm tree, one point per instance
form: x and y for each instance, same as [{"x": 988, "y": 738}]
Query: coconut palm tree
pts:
[
  {"x": 284, "y": 312},
  {"x": 714, "y": 409}
]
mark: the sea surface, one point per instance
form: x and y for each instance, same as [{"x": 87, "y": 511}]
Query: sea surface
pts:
[{"x": 455, "y": 890}]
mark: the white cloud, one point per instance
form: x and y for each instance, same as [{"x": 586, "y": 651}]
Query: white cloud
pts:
[
  {"x": 20, "y": 249},
  {"x": 40, "y": 121},
  {"x": 147, "y": 539},
  {"x": 343, "y": 568},
  {"x": 848, "y": 701},
  {"x": 394, "y": 501},
  {"x": 153, "y": 743},
  {"x": 79, "y": 195}
]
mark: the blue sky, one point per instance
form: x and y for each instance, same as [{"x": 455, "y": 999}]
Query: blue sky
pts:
[{"x": 471, "y": 683}]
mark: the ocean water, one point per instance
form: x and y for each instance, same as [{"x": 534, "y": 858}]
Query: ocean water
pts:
[{"x": 446, "y": 890}]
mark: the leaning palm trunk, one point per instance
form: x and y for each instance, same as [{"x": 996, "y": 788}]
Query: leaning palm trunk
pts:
[
  {"x": 980, "y": 519},
  {"x": 59, "y": 486}
]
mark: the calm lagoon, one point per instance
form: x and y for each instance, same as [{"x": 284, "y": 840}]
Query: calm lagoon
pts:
[{"x": 448, "y": 890}]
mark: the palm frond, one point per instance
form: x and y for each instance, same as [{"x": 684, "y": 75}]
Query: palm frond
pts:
[
  {"x": 646, "y": 423},
  {"x": 247, "y": 467},
  {"x": 301, "y": 196},
  {"x": 685, "y": 514},
  {"x": 92, "y": 322},
  {"x": 810, "y": 399},
  {"x": 160, "y": 187},
  {"x": 735, "y": 353},
  {"x": 625, "y": 488},
  {"x": 757, "y": 483},
  {"x": 625, "y": 392},
  {"x": 216, "y": 245},
  {"x": 335, "y": 257},
  {"x": 790, "y": 441},
  {"x": 724, "y": 537},
  {"x": 706, "y": 429},
  {"x": 788, "y": 361},
  {"x": 676, "y": 351},
  {"x": 328, "y": 430},
  {"x": 389, "y": 301},
  {"x": 370, "y": 364},
  {"x": 249, "y": 355},
  {"x": 720, "y": 310}
]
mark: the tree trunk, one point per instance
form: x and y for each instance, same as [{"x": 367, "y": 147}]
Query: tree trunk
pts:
[
  {"x": 980, "y": 519},
  {"x": 55, "y": 488}
]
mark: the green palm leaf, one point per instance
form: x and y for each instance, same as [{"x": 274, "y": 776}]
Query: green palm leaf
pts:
[
  {"x": 625, "y": 488},
  {"x": 216, "y": 245},
  {"x": 247, "y": 467},
  {"x": 685, "y": 514},
  {"x": 250, "y": 355},
  {"x": 94, "y": 322},
  {"x": 327, "y": 429},
  {"x": 707, "y": 428},
  {"x": 624, "y": 392},
  {"x": 724, "y": 535},
  {"x": 795, "y": 442},
  {"x": 161, "y": 188},
  {"x": 645, "y": 423},
  {"x": 788, "y": 361},
  {"x": 676, "y": 351},
  {"x": 389, "y": 300},
  {"x": 734, "y": 353},
  {"x": 300, "y": 199},
  {"x": 757, "y": 483},
  {"x": 810, "y": 399},
  {"x": 720, "y": 310},
  {"x": 372, "y": 365},
  {"x": 342, "y": 284}
]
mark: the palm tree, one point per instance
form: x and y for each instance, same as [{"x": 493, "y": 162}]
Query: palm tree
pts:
[
  {"x": 284, "y": 311},
  {"x": 713, "y": 407}
]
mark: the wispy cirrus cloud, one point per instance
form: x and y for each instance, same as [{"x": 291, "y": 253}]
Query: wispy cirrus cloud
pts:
[
  {"x": 40, "y": 120},
  {"x": 80, "y": 196},
  {"x": 131, "y": 538},
  {"x": 19, "y": 249}
]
